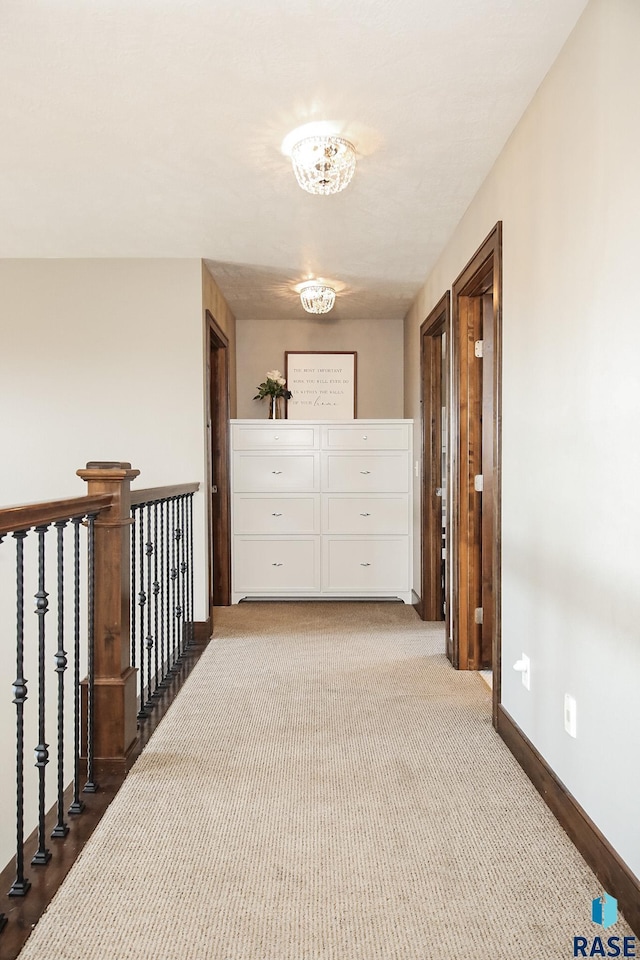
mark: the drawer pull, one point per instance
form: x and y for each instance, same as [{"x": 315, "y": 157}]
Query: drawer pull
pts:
[
  {"x": 276, "y": 437},
  {"x": 365, "y": 564},
  {"x": 276, "y": 514},
  {"x": 365, "y": 471},
  {"x": 276, "y": 564},
  {"x": 365, "y": 514},
  {"x": 276, "y": 472},
  {"x": 365, "y": 437}
]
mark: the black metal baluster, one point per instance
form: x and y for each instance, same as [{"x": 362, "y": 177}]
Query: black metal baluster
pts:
[
  {"x": 61, "y": 829},
  {"x": 191, "y": 597},
  {"x": 90, "y": 786},
  {"x": 142, "y": 599},
  {"x": 134, "y": 527},
  {"x": 164, "y": 567},
  {"x": 181, "y": 571},
  {"x": 150, "y": 639},
  {"x": 3, "y": 919},
  {"x": 42, "y": 854},
  {"x": 20, "y": 885},
  {"x": 77, "y": 805},
  {"x": 156, "y": 591},
  {"x": 188, "y": 613},
  {"x": 174, "y": 574}
]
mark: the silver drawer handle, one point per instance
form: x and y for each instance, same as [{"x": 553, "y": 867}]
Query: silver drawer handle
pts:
[
  {"x": 365, "y": 514},
  {"x": 276, "y": 471},
  {"x": 365, "y": 471},
  {"x": 276, "y": 564},
  {"x": 276, "y": 514},
  {"x": 365, "y": 438},
  {"x": 365, "y": 564}
]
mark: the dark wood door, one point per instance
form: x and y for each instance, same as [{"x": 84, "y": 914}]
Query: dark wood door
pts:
[
  {"x": 476, "y": 426},
  {"x": 218, "y": 443},
  {"x": 434, "y": 339}
]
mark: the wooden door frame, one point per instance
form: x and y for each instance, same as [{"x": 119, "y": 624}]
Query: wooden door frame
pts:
[
  {"x": 219, "y": 527},
  {"x": 482, "y": 275},
  {"x": 431, "y": 593}
]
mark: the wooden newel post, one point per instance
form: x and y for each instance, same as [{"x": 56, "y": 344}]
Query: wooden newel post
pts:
[{"x": 115, "y": 693}]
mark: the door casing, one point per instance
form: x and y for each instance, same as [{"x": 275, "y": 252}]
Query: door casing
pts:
[
  {"x": 218, "y": 465},
  {"x": 475, "y": 449}
]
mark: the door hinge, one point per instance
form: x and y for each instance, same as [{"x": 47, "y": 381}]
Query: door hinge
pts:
[
  {"x": 478, "y": 615},
  {"x": 478, "y": 348},
  {"x": 214, "y": 488},
  {"x": 478, "y": 482}
]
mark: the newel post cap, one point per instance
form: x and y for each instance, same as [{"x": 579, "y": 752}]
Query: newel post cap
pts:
[{"x": 108, "y": 470}]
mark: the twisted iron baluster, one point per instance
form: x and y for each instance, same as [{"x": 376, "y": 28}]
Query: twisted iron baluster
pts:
[
  {"x": 3, "y": 919},
  {"x": 187, "y": 553},
  {"x": 164, "y": 595},
  {"x": 142, "y": 599},
  {"x": 42, "y": 854},
  {"x": 61, "y": 829},
  {"x": 174, "y": 574},
  {"x": 134, "y": 528},
  {"x": 90, "y": 786},
  {"x": 20, "y": 885},
  {"x": 77, "y": 805},
  {"x": 156, "y": 590},
  {"x": 180, "y": 583},
  {"x": 150, "y": 640}
]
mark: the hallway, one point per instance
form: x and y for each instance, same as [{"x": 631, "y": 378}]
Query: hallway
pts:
[{"x": 325, "y": 787}]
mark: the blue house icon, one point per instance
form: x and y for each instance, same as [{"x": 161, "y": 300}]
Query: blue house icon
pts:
[{"x": 604, "y": 910}]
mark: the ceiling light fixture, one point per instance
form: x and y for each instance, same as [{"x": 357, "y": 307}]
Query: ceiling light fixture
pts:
[
  {"x": 323, "y": 165},
  {"x": 317, "y": 297}
]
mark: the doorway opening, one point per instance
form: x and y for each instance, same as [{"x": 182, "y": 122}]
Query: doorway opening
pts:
[
  {"x": 434, "y": 379},
  {"x": 218, "y": 461},
  {"x": 475, "y": 472}
]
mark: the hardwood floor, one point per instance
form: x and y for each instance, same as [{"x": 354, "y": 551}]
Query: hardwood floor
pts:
[{"x": 23, "y": 913}]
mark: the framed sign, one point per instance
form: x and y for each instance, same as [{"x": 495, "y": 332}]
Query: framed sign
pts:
[{"x": 323, "y": 385}]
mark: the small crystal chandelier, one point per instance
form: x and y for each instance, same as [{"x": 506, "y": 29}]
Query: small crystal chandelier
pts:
[
  {"x": 323, "y": 165},
  {"x": 317, "y": 297}
]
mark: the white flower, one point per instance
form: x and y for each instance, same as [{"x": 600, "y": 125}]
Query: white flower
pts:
[
  {"x": 281, "y": 381},
  {"x": 273, "y": 374}
]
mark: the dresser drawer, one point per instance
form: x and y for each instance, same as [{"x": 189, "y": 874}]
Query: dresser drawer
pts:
[
  {"x": 275, "y": 473},
  {"x": 362, "y": 473},
  {"x": 274, "y": 436},
  {"x": 292, "y": 514},
  {"x": 367, "y": 565},
  {"x": 393, "y": 436},
  {"x": 276, "y": 566},
  {"x": 365, "y": 515}
]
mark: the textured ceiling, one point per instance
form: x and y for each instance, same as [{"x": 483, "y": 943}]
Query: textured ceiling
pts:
[{"x": 152, "y": 128}]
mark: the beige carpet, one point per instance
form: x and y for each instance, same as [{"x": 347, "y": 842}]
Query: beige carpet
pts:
[{"x": 325, "y": 787}]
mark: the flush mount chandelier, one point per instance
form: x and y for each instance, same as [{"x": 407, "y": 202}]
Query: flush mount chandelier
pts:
[
  {"x": 323, "y": 164},
  {"x": 317, "y": 297}
]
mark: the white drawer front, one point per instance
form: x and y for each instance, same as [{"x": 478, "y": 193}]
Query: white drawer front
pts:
[
  {"x": 393, "y": 436},
  {"x": 273, "y": 473},
  {"x": 276, "y": 566},
  {"x": 366, "y": 565},
  {"x": 274, "y": 436},
  {"x": 376, "y": 473},
  {"x": 276, "y": 515},
  {"x": 362, "y": 515}
]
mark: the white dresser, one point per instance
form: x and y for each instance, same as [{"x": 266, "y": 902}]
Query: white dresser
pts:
[{"x": 321, "y": 509}]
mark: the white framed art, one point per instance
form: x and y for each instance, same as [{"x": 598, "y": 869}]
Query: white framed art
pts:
[{"x": 323, "y": 385}]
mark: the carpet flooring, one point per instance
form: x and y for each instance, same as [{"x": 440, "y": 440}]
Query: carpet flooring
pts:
[{"x": 325, "y": 787}]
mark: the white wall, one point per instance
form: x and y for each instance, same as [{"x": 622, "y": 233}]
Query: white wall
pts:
[
  {"x": 261, "y": 346},
  {"x": 567, "y": 188}
]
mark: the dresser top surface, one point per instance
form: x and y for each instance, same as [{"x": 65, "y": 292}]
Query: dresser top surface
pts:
[{"x": 311, "y": 423}]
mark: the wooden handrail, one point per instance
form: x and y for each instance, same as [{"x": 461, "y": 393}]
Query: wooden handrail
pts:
[
  {"x": 149, "y": 494},
  {"x": 48, "y": 511}
]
